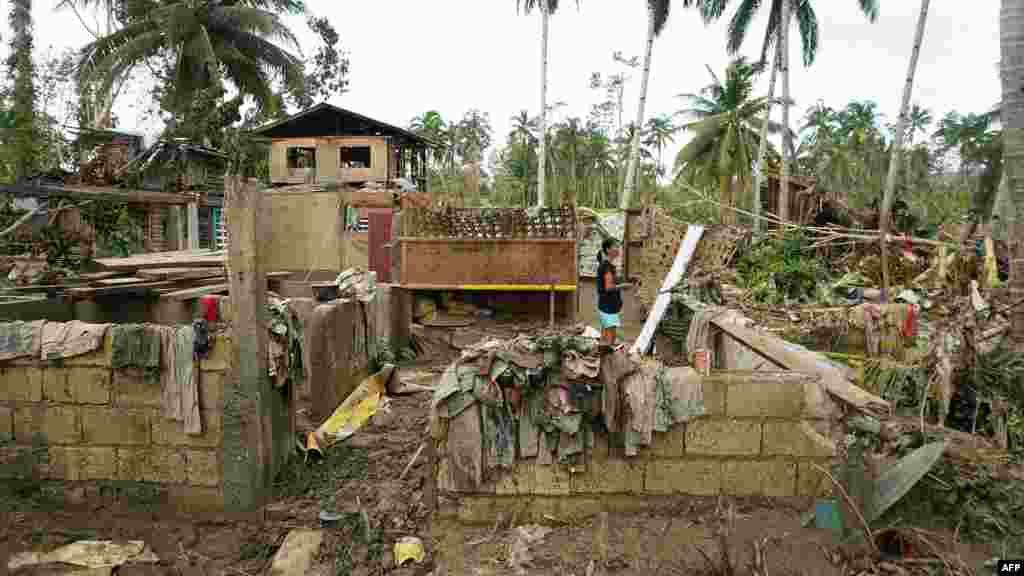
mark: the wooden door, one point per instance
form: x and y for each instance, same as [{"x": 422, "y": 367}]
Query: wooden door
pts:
[{"x": 379, "y": 238}]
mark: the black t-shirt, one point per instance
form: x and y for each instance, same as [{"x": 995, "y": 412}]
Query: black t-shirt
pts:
[{"x": 608, "y": 301}]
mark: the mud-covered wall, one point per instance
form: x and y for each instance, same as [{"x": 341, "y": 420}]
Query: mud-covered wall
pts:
[
  {"x": 761, "y": 435},
  {"x": 98, "y": 432}
]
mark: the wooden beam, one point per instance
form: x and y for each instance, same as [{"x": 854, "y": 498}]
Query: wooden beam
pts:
[
  {"x": 102, "y": 192},
  {"x": 93, "y": 291},
  {"x": 180, "y": 273},
  {"x": 180, "y": 259},
  {"x": 193, "y": 293}
]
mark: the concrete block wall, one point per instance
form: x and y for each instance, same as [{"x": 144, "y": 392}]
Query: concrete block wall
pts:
[
  {"x": 103, "y": 428},
  {"x": 758, "y": 438}
]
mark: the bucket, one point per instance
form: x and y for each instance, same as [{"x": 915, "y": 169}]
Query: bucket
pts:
[
  {"x": 326, "y": 293},
  {"x": 702, "y": 361}
]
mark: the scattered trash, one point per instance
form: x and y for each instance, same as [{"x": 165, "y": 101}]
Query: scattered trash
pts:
[
  {"x": 591, "y": 332},
  {"x": 409, "y": 548},
  {"x": 524, "y": 537},
  {"x": 297, "y": 552},
  {"x": 352, "y": 414},
  {"x": 329, "y": 519},
  {"x": 826, "y": 516},
  {"x": 895, "y": 482},
  {"x": 89, "y": 554}
]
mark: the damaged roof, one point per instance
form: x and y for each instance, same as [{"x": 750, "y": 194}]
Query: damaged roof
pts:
[{"x": 328, "y": 120}]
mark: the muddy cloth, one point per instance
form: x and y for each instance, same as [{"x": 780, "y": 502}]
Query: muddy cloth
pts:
[
  {"x": 679, "y": 398},
  {"x": 20, "y": 339},
  {"x": 69, "y": 339},
  {"x": 180, "y": 377},
  {"x": 136, "y": 346},
  {"x": 285, "y": 347},
  {"x": 498, "y": 432},
  {"x": 201, "y": 329},
  {"x": 641, "y": 402}
]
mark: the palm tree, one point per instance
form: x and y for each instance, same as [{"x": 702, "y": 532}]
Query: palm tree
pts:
[
  {"x": 97, "y": 101},
  {"x": 727, "y": 131},
  {"x": 739, "y": 26},
  {"x": 23, "y": 130},
  {"x": 890, "y": 183},
  {"x": 781, "y": 11},
  {"x": 657, "y": 16},
  {"x": 660, "y": 133},
  {"x": 207, "y": 42},
  {"x": 523, "y": 128},
  {"x": 547, "y": 7},
  {"x": 980, "y": 150},
  {"x": 1011, "y": 38}
]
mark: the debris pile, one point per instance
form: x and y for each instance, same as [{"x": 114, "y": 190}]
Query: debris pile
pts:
[{"x": 549, "y": 394}]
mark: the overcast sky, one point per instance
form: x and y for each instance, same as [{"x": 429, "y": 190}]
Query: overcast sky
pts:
[{"x": 409, "y": 56}]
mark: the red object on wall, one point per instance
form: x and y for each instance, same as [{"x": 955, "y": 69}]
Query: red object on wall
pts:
[{"x": 379, "y": 238}]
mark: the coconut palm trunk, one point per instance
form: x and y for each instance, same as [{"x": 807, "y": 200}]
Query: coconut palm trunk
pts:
[
  {"x": 784, "y": 68},
  {"x": 1011, "y": 36},
  {"x": 634, "y": 147},
  {"x": 543, "y": 124},
  {"x": 762, "y": 146},
  {"x": 894, "y": 161}
]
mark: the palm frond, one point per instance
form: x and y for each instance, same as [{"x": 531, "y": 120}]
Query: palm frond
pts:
[
  {"x": 739, "y": 25},
  {"x": 808, "y": 23},
  {"x": 660, "y": 10},
  {"x": 869, "y": 8}
]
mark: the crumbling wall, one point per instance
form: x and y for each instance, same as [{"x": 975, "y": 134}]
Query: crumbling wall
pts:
[
  {"x": 758, "y": 437},
  {"x": 101, "y": 432},
  {"x": 339, "y": 335}
]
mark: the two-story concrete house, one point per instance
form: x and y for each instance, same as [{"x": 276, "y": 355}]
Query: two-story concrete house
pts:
[{"x": 326, "y": 144}]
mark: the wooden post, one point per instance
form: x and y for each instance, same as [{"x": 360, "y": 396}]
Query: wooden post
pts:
[
  {"x": 551, "y": 306},
  {"x": 247, "y": 449},
  {"x": 193, "y": 225}
]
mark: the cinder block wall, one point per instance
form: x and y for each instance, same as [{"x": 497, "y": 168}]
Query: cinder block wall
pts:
[
  {"x": 759, "y": 437},
  {"x": 104, "y": 433}
]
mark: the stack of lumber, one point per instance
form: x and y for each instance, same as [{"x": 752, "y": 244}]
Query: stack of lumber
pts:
[{"x": 180, "y": 275}]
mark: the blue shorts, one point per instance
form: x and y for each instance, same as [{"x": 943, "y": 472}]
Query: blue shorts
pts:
[{"x": 609, "y": 320}]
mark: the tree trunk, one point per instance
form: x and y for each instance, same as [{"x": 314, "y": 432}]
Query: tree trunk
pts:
[
  {"x": 543, "y": 100},
  {"x": 725, "y": 197},
  {"x": 762, "y": 146},
  {"x": 897, "y": 146},
  {"x": 1011, "y": 34},
  {"x": 634, "y": 147},
  {"x": 784, "y": 68}
]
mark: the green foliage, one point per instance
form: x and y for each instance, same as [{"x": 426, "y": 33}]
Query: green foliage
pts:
[
  {"x": 321, "y": 479},
  {"x": 22, "y": 136},
  {"x": 782, "y": 271},
  {"x": 21, "y": 488}
]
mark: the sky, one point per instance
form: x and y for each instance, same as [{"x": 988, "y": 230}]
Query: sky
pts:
[{"x": 410, "y": 56}]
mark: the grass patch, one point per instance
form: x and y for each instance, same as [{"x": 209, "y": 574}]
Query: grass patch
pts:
[
  {"x": 22, "y": 488},
  {"x": 356, "y": 544},
  {"x": 256, "y": 550},
  {"x": 299, "y": 479}
]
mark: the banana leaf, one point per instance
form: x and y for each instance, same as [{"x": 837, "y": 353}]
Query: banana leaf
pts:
[{"x": 895, "y": 482}]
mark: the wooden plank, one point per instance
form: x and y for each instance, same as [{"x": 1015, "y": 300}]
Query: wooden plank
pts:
[
  {"x": 179, "y": 259},
  {"x": 478, "y": 263},
  {"x": 193, "y": 293},
  {"x": 180, "y": 273},
  {"x": 93, "y": 276},
  {"x": 675, "y": 274},
  {"x": 492, "y": 287},
  {"x": 121, "y": 281},
  {"x": 93, "y": 291},
  {"x": 127, "y": 195}
]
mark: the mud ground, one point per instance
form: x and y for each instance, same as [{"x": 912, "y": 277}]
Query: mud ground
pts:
[{"x": 361, "y": 480}]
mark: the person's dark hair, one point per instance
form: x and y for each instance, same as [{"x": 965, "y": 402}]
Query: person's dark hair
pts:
[{"x": 606, "y": 245}]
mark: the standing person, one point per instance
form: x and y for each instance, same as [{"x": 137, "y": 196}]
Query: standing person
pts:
[{"x": 609, "y": 294}]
